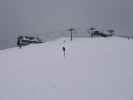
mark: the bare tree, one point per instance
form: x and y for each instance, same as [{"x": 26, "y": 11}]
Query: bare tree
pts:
[{"x": 71, "y": 32}]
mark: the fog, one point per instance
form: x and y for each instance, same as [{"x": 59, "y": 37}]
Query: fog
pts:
[{"x": 49, "y": 17}]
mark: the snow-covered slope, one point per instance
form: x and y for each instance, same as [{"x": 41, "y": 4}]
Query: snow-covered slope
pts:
[{"x": 94, "y": 69}]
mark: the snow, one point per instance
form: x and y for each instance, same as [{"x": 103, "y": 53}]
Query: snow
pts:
[{"x": 94, "y": 69}]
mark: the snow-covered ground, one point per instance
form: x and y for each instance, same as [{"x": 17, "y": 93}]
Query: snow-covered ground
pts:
[{"x": 94, "y": 69}]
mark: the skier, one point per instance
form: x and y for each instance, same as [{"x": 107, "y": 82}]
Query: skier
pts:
[{"x": 64, "y": 50}]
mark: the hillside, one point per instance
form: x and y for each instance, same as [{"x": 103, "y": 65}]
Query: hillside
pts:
[{"x": 93, "y": 69}]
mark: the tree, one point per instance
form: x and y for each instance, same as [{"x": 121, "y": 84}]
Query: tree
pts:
[{"x": 71, "y": 32}]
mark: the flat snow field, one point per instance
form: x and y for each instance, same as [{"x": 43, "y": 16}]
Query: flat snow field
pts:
[{"x": 93, "y": 69}]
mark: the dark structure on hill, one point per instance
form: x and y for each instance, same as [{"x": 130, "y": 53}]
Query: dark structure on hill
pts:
[
  {"x": 100, "y": 34},
  {"x": 24, "y": 40},
  {"x": 93, "y": 32}
]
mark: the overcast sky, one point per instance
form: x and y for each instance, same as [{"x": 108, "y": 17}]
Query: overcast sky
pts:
[{"x": 43, "y": 16}]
